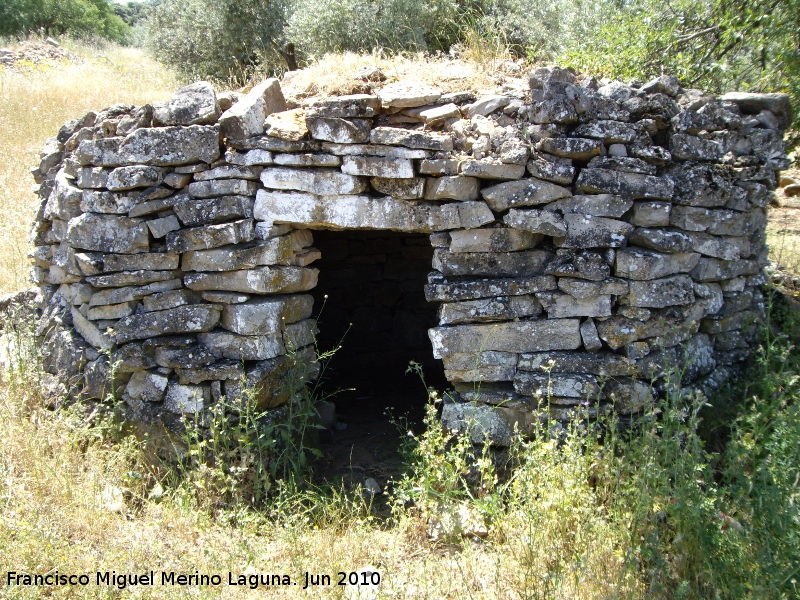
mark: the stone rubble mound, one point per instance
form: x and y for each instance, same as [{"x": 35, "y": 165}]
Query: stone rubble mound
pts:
[
  {"x": 586, "y": 234},
  {"x": 35, "y": 53}
]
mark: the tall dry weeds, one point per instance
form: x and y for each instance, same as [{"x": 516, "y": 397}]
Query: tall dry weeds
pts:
[{"x": 35, "y": 100}]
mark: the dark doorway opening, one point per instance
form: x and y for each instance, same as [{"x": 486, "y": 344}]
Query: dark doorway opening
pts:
[{"x": 371, "y": 304}]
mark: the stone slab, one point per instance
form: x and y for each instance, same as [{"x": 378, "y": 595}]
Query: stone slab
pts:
[{"x": 520, "y": 336}]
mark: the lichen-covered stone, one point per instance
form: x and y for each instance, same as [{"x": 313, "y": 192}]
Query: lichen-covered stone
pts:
[
  {"x": 639, "y": 264},
  {"x": 188, "y": 399},
  {"x": 592, "y": 232},
  {"x": 490, "y": 169},
  {"x": 634, "y": 185},
  {"x": 338, "y": 130},
  {"x": 239, "y": 347},
  {"x": 106, "y": 233},
  {"x": 505, "y": 239},
  {"x": 275, "y": 251},
  {"x": 206, "y": 211},
  {"x": 156, "y": 146},
  {"x": 246, "y": 118},
  {"x": 406, "y": 94},
  {"x": 593, "y": 205},
  {"x": 543, "y": 222},
  {"x": 183, "y": 319},
  {"x": 210, "y": 236},
  {"x": 577, "y": 148},
  {"x": 266, "y": 316},
  {"x": 486, "y": 264},
  {"x": 377, "y": 166},
  {"x": 559, "y": 306},
  {"x": 318, "y": 181},
  {"x": 440, "y": 289},
  {"x": 658, "y": 293},
  {"x": 455, "y": 187},
  {"x": 363, "y": 212},
  {"x": 259, "y": 280},
  {"x": 193, "y": 104},
  {"x": 519, "y": 336},
  {"x": 499, "y": 308},
  {"x": 403, "y": 189},
  {"x": 526, "y": 192}
]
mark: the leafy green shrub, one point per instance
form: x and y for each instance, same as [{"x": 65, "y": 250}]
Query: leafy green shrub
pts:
[
  {"x": 235, "y": 454},
  {"x": 79, "y": 18},
  {"x": 717, "y": 45},
  {"x": 321, "y": 26},
  {"x": 646, "y": 511},
  {"x": 222, "y": 39}
]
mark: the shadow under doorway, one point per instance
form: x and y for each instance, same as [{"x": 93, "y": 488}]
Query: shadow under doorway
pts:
[{"x": 371, "y": 305}]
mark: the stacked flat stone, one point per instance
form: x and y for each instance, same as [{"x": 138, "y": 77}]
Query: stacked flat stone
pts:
[{"x": 586, "y": 235}]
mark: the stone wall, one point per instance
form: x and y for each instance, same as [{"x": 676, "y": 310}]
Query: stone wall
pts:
[{"x": 585, "y": 234}]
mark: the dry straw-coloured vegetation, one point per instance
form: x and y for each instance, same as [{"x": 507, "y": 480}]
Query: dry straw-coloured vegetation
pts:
[{"x": 35, "y": 100}]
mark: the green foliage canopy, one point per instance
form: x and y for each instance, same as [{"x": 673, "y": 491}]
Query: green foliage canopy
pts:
[
  {"x": 222, "y": 39},
  {"x": 19, "y": 18},
  {"x": 716, "y": 45}
]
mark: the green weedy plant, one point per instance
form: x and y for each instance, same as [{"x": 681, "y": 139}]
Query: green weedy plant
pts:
[
  {"x": 761, "y": 464},
  {"x": 235, "y": 453},
  {"x": 20, "y": 354},
  {"x": 642, "y": 511}
]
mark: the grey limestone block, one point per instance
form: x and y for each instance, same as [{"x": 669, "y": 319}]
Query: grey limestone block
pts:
[
  {"x": 183, "y": 319},
  {"x": 246, "y": 118},
  {"x": 193, "y": 104}
]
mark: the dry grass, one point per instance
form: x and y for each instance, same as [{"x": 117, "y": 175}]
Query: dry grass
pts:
[
  {"x": 35, "y": 100},
  {"x": 481, "y": 70},
  {"x": 58, "y": 515}
]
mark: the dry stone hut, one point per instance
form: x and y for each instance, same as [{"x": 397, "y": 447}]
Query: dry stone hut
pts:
[{"x": 571, "y": 239}]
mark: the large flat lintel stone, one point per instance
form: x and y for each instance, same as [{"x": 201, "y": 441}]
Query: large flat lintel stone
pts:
[
  {"x": 364, "y": 212},
  {"x": 519, "y": 336}
]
